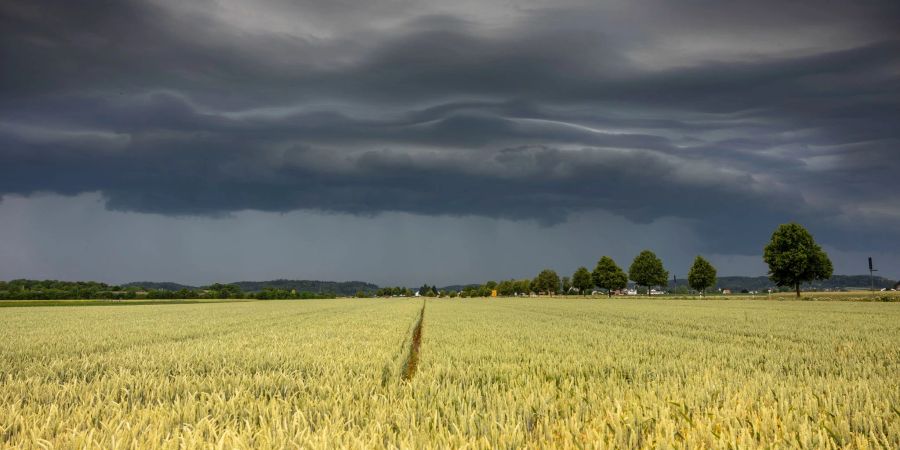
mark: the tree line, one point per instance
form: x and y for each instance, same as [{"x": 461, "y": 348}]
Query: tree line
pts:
[
  {"x": 86, "y": 290},
  {"x": 792, "y": 255},
  {"x": 646, "y": 270}
]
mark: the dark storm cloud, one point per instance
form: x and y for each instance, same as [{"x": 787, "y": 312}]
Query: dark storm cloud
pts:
[{"x": 561, "y": 109}]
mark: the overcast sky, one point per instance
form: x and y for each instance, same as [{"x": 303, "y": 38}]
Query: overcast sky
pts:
[{"x": 403, "y": 142}]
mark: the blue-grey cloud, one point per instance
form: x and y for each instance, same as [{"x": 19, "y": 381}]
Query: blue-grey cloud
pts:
[{"x": 556, "y": 111}]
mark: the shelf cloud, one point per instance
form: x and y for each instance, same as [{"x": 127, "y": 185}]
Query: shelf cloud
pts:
[{"x": 731, "y": 116}]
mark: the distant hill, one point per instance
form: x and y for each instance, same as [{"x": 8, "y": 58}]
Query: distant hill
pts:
[
  {"x": 339, "y": 288},
  {"x": 153, "y": 285},
  {"x": 336, "y": 287}
]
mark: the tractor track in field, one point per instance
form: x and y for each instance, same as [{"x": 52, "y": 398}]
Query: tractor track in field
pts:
[{"x": 415, "y": 343}]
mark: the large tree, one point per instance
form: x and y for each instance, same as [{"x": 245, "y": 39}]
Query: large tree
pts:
[
  {"x": 581, "y": 280},
  {"x": 702, "y": 275},
  {"x": 546, "y": 281},
  {"x": 608, "y": 275},
  {"x": 647, "y": 270},
  {"x": 794, "y": 257}
]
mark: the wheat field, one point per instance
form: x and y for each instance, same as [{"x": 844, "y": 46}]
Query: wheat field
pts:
[{"x": 498, "y": 373}]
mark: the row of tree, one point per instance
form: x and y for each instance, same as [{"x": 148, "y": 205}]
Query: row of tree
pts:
[
  {"x": 792, "y": 255},
  {"x": 646, "y": 270},
  {"x": 285, "y": 294},
  {"x": 84, "y": 290},
  {"x": 395, "y": 291}
]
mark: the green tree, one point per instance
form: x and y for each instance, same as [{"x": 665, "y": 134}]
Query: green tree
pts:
[
  {"x": 794, "y": 257},
  {"x": 506, "y": 288},
  {"x": 647, "y": 270},
  {"x": 566, "y": 285},
  {"x": 608, "y": 275},
  {"x": 522, "y": 287},
  {"x": 546, "y": 281},
  {"x": 702, "y": 275},
  {"x": 218, "y": 290},
  {"x": 581, "y": 280}
]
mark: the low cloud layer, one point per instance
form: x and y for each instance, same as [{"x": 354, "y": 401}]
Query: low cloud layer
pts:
[{"x": 729, "y": 116}]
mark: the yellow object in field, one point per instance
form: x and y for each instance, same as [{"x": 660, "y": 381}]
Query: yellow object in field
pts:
[{"x": 493, "y": 292}]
